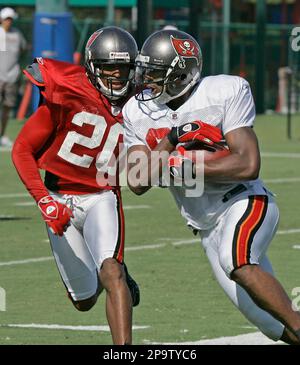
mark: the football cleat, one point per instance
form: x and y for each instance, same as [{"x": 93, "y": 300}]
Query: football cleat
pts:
[{"x": 133, "y": 287}]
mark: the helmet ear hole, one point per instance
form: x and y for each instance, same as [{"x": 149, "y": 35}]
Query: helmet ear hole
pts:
[{"x": 183, "y": 77}]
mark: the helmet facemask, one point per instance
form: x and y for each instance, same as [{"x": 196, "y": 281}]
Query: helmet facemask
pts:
[
  {"x": 171, "y": 80},
  {"x": 150, "y": 81}
]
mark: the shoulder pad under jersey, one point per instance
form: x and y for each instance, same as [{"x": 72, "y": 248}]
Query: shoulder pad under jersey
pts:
[{"x": 33, "y": 72}]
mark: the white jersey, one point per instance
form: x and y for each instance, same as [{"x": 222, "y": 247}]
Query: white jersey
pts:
[{"x": 222, "y": 101}]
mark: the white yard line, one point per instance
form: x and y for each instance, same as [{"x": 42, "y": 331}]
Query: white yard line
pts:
[
  {"x": 129, "y": 207},
  {"x": 14, "y": 195},
  {"x": 186, "y": 242},
  {"x": 282, "y": 180},
  {"x": 171, "y": 241},
  {"x": 289, "y": 231},
  {"x": 256, "y": 338},
  {"x": 25, "y": 204},
  {"x": 132, "y": 207},
  {"x": 28, "y": 261},
  {"x": 125, "y": 207},
  {"x": 67, "y": 327},
  {"x": 145, "y": 247},
  {"x": 49, "y": 258},
  {"x": 280, "y": 154}
]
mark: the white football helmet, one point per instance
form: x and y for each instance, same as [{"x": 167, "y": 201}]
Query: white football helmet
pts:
[{"x": 171, "y": 59}]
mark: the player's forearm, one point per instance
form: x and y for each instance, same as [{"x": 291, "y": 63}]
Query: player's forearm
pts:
[
  {"x": 27, "y": 169},
  {"x": 234, "y": 167},
  {"x": 139, "y": 172},
  {"x": 29, "y": 142},
  {"x": 146, "y": 167}
]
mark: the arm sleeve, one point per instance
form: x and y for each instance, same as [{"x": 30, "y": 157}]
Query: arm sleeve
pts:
[
  {"x": 239, "y": 109},
  {"x": 29, "y": 142}
]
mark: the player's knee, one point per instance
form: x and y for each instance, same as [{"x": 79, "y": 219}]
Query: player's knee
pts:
[
  {"x": 111, "y": 273},
  {"x": 225, "y": 260},
  {"x": 86, "y": 304},
  {"x": 243, "y": 275},
  {"x": 240, "y": 274}
]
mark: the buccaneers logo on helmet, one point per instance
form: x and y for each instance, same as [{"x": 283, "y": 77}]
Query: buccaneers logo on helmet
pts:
[{"x": 185, "y": 48}]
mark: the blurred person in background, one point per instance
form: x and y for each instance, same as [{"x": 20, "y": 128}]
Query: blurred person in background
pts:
[{"x": 13, "y": 44}]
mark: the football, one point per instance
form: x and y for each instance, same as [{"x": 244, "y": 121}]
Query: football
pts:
[
  {"x": 210, "y": 152},
  {"x": 214, "y": 155}
]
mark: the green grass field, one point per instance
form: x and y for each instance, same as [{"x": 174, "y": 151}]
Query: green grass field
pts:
[{"x": 180, "y": 299}]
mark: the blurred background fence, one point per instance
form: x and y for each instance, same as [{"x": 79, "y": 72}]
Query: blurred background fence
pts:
[{"x": 247, "y": 38}]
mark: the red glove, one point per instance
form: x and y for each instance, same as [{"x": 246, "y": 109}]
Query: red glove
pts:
[
  {"x": 55, "y": 214},
  {"x": 179, "y": 163},
  {"x": 196, "y": 130}
]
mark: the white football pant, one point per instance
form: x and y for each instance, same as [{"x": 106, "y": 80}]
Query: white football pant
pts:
[
  {"x": 96, "y": 232},
  {"x": 241, "y": 237}
]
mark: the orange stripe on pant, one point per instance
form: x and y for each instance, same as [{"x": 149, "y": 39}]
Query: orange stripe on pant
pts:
[{"x": 247, "y": 227}]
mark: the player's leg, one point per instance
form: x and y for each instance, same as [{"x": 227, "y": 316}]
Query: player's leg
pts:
[
  {"x": 239, "y": 297},
  {"x": 118, "y": 301},
  {"x": 267, "y": 292},
  {"x": 77, "y": 268},
  {"x": 287, "y": 335},
  {"x": 103, "y": 231},
  {"x": 266, "y": 323},
  {"x": 248, "y": 228}
]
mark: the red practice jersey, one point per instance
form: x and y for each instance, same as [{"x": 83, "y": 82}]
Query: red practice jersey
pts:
[{"x": 82, "y": 148}]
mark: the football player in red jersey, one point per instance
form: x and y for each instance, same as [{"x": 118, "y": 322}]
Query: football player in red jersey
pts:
[{"x": 74, "y": 135}]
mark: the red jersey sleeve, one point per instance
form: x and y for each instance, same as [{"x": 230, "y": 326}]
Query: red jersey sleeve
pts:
[{"x": 30, "y": 141}]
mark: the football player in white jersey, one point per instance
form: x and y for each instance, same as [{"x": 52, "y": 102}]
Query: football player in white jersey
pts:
[{"x": 235, "y": 215}]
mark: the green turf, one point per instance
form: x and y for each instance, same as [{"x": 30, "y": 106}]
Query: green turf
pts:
[{"x": 180, "y": 299}]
